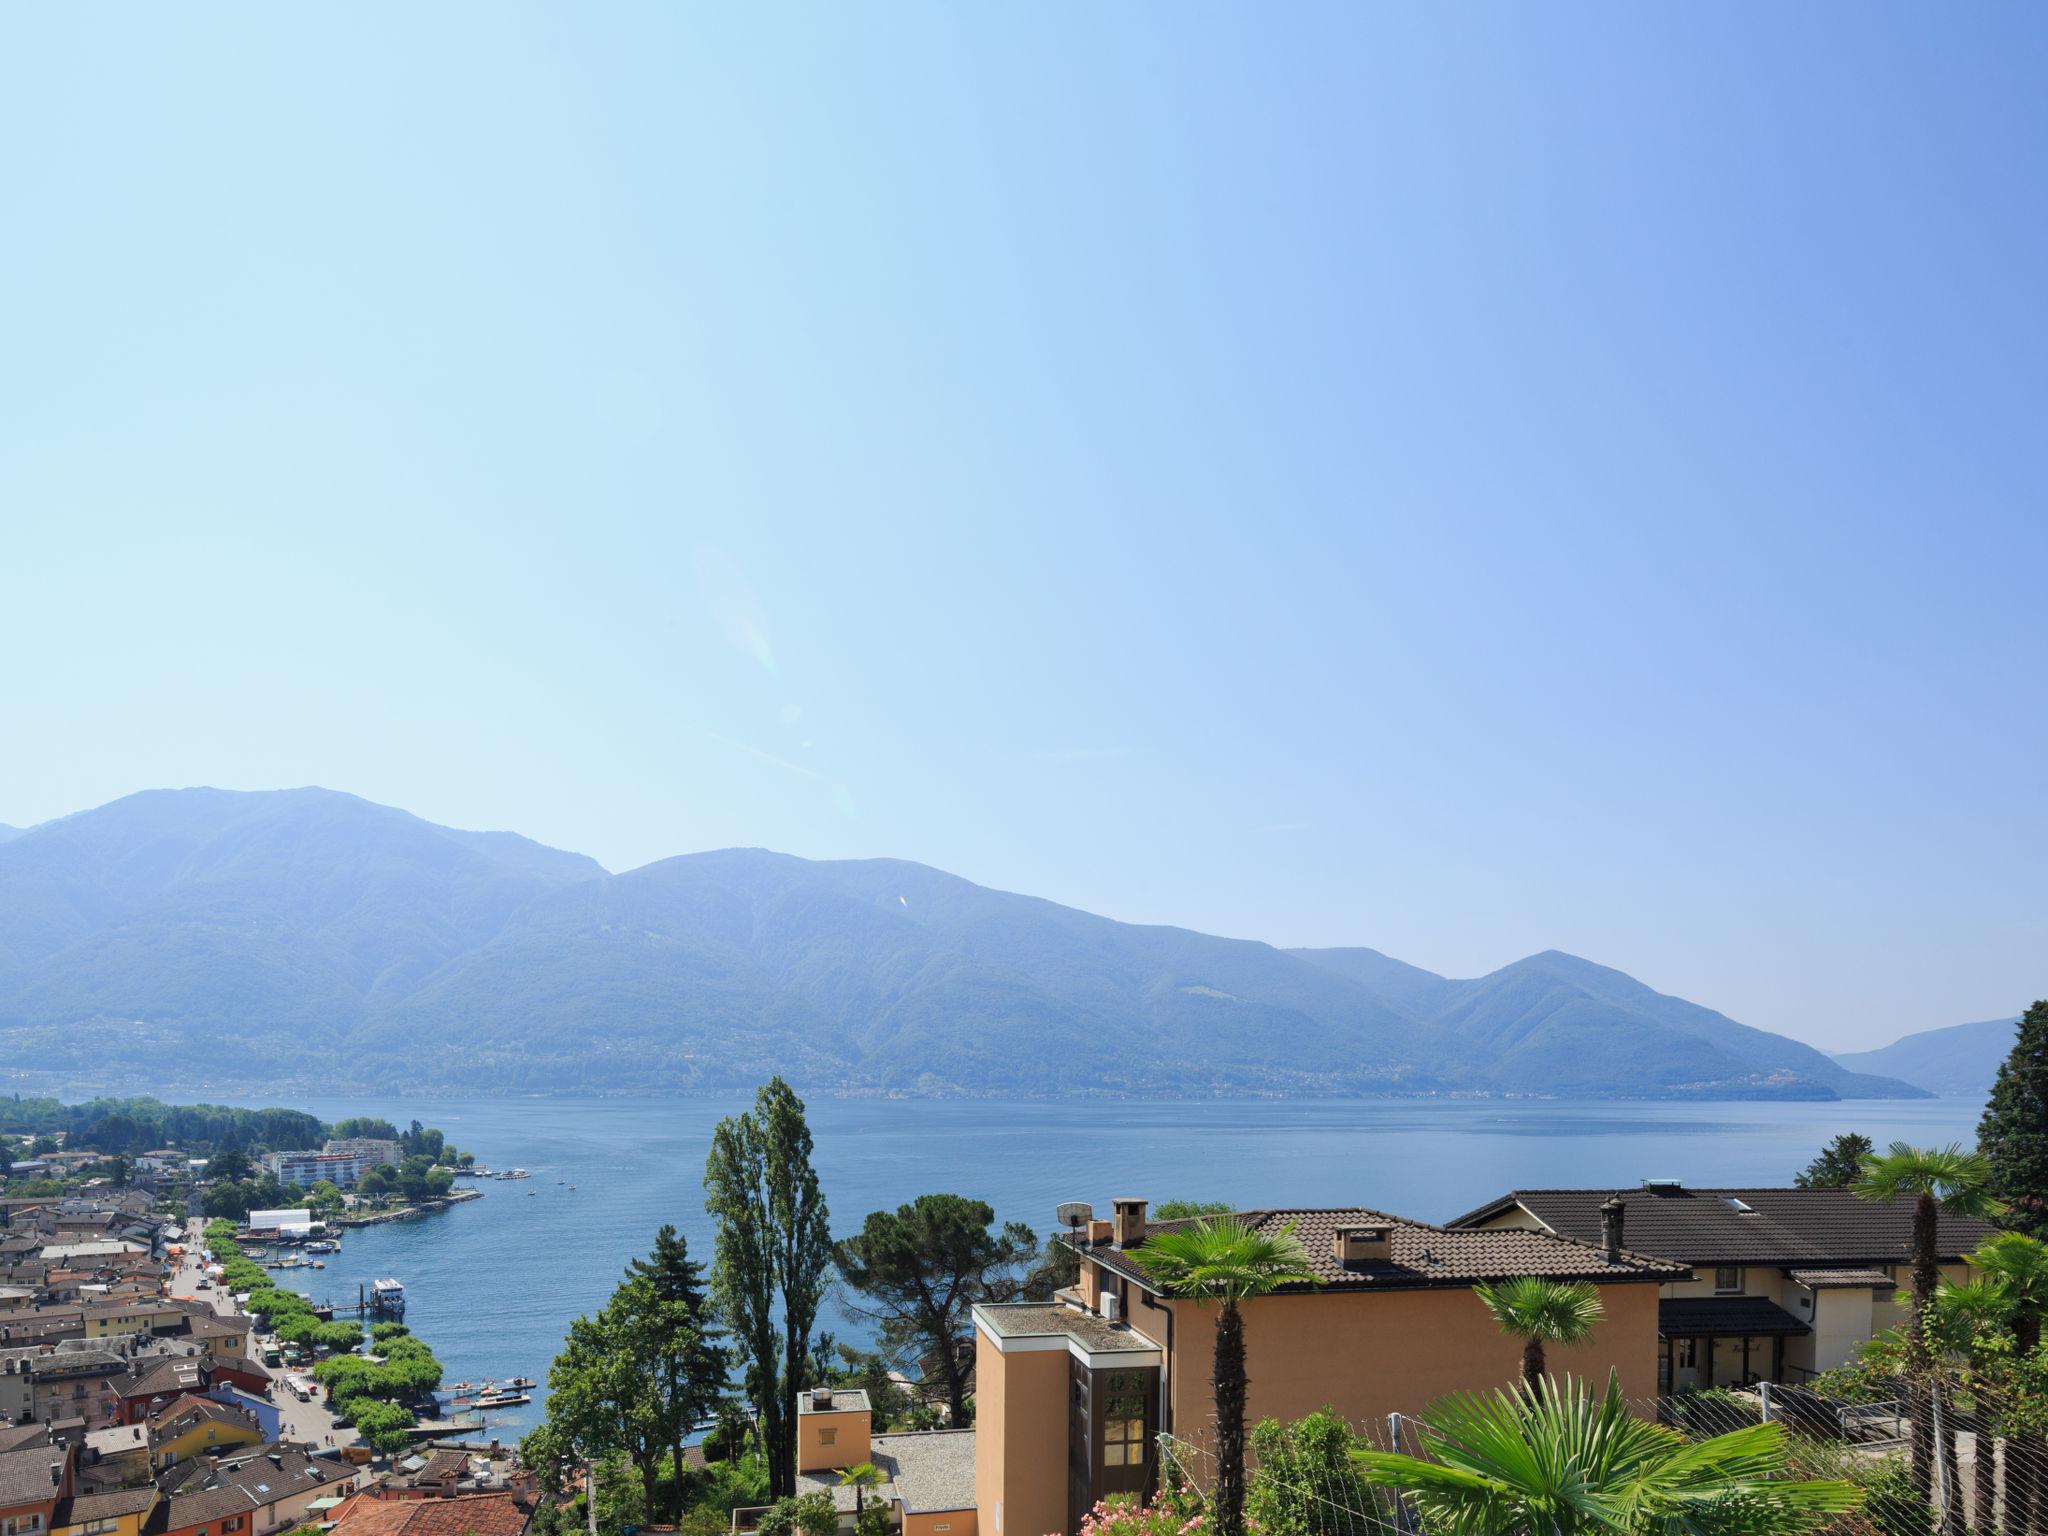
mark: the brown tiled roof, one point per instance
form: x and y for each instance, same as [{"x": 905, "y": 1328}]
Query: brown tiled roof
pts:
[
  {"x": 467, "y": 1514},
  {"x": 85, "y": 1507},
  {"x": 1423, "y": 1256},
  {"x": 206, "y": 1506},
  {"x": 21, "y": 1437},
  {"x": 25, "y": 1474},
  {"x": 173, "y": 1374},
  {"x": 1809, "y": 1227}
]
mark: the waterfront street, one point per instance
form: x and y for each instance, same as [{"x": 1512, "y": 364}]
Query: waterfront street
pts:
[{"x": 309, "y": 1423}]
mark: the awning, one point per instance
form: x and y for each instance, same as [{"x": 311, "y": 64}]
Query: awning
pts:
[
  {"x": 1864, "y": 1278},
  {"x": 1725, "y": 1317}
]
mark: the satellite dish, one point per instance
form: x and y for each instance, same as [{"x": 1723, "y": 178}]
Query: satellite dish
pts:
[{"x": 1075, "y": 1213}]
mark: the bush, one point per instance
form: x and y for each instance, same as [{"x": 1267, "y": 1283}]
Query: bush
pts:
[
  {"x": 1305, "y": 1483},
  {"x": 388, "y": 1330},
  {"x": 741, "y": 1483},
  {"x": 1716, "y": 1410},
  {"x": 811, "y": 1515}
]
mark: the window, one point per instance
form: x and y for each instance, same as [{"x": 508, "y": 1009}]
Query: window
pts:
[
  {"x": 827, "y": 1435},
  {"x": 1123, "y": 1419},
  {"x": 1687, "y": 1358},
  {"x": 1727, "y": 1278}
]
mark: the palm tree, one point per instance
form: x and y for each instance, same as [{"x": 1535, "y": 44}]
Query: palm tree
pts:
[
  {"x": 1569, "y": 1464},
  {"x": 1223, "y": 1259},
  {"x": 1540, "y": 1312},
  {"x": 2018, "y": 1265},
  {"x": 860, "y": 1477},
  {"x": 1962, "y": 1317},
  {"x": 1937, "y": 1179}
]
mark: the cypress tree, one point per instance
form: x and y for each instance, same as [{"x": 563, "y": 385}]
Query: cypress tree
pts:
[{"x": 2013, "y": 1134}]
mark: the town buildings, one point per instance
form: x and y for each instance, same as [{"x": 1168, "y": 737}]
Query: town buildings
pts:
[
  {"x": 344, "y": 1170},
  {"x": 1784, "y": 1283}
]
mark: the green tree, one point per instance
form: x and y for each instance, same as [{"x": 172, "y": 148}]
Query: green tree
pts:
[
  {"x": 1936, "y": 1179},
  {"x": 861, "y": 1477},
  {"x": 918, "y": 1271},
  {"x": 1221, "y": 1259},
  {"x": 1569, "y": 1464},
  {"x": 773, "y": 1253},
  {"x": 2013, "y": 1134},
  {"x": 1962, "y": 1321},
  {"x": 680, "y": 1340},
  {"x": 603, "y": 1398},
  {"x": 1839, "y": 1165},
  {"x": 2017, "y": 1265},
  {"x": 1058, "y": 1266},
  {"x": 1540, "y": 1312},
  {"x": 1187, "y": 1210},
  {"x": 229, "y": 1165}
]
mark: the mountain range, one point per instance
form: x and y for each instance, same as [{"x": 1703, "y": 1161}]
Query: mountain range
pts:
[
  {"x": 309, "y": 938},
  {"x": 1961, "y": 1061}
]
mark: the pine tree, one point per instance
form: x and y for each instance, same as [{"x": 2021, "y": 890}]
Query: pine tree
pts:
[
  {"x": 690, "y": 1361},
  {"x": 2014, "y": 1131},
  {"x": 1839, "y": 1165}
]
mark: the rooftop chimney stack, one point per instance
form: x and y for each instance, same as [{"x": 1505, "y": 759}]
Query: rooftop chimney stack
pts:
[
  {"x": 1352, "y": 1246},
  {"x": 1129, "y": 1222},
  {"x": 1611, "y": 1213}
]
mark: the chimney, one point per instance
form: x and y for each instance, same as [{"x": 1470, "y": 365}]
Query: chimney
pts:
[
  {"x": 1129, "y": 1222},
  {"x": 821, "y": 1397},
  {"x": 1611, "y": 1213},
  {"x": 1352, "y": 1246},
  {"x": 1098, "y": 1232}
]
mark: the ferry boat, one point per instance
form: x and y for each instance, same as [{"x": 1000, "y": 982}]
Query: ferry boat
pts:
[
  {"x": 500, "y": 1399},
  {"x": 387, "y": 1296},
  {"x": 513, "y": 1173}
]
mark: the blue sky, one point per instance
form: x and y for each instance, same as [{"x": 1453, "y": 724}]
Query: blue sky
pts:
[{"x": 1459, "y": 480}]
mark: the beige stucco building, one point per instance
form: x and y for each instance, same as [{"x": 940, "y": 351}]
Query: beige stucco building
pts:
[
  {"x": 1071, "y": 1395},
  {"x": 1784, "y": 1282}
]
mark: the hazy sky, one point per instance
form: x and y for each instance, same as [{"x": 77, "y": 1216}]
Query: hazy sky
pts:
[{"x": 1462, "y": 480}]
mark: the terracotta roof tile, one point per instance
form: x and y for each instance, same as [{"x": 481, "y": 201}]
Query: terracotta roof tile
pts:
[
  {"x": 468, "y": 1514},
  {"x": 1424, "y": 1256},
  {"x": 1807, "y": 1227}
]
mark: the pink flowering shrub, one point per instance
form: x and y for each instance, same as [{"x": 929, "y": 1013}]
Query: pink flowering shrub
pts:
[{"x": 1169, "y": 1515}]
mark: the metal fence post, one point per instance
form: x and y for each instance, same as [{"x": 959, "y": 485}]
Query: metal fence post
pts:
[
  {"x": 1763, "y": 1391},
  {"x": 1404, "y": 1519}
]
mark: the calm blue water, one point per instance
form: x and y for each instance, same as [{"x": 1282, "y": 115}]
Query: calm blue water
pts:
[{"x": 493, "y": 1283}]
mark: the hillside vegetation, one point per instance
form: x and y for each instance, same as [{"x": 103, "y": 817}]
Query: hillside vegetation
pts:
[{"x": 308, "y": 937}]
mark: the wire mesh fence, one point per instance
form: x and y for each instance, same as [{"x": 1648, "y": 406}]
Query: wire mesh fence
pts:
[{"x": 1948, "y": 1457}]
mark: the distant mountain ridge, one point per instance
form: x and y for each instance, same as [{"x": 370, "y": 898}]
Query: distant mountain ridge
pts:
[
  {"x": 1960, "y": 1061},
  {"x": 310, "y": 937}
]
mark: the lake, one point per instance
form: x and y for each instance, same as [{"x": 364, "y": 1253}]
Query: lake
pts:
[{"x": 493, "y": 1284}]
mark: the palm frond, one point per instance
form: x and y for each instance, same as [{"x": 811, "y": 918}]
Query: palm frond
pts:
[
  {"x": 1957, "y": 1177},
  {"x": 1570, "y": 1462},
  {"x": 1223, "y": 1258},
  {"x": 1551, "y": 1311}
]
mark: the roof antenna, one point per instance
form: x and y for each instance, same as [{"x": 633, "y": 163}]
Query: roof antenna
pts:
[{"x": 1074, "y": 1215}]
